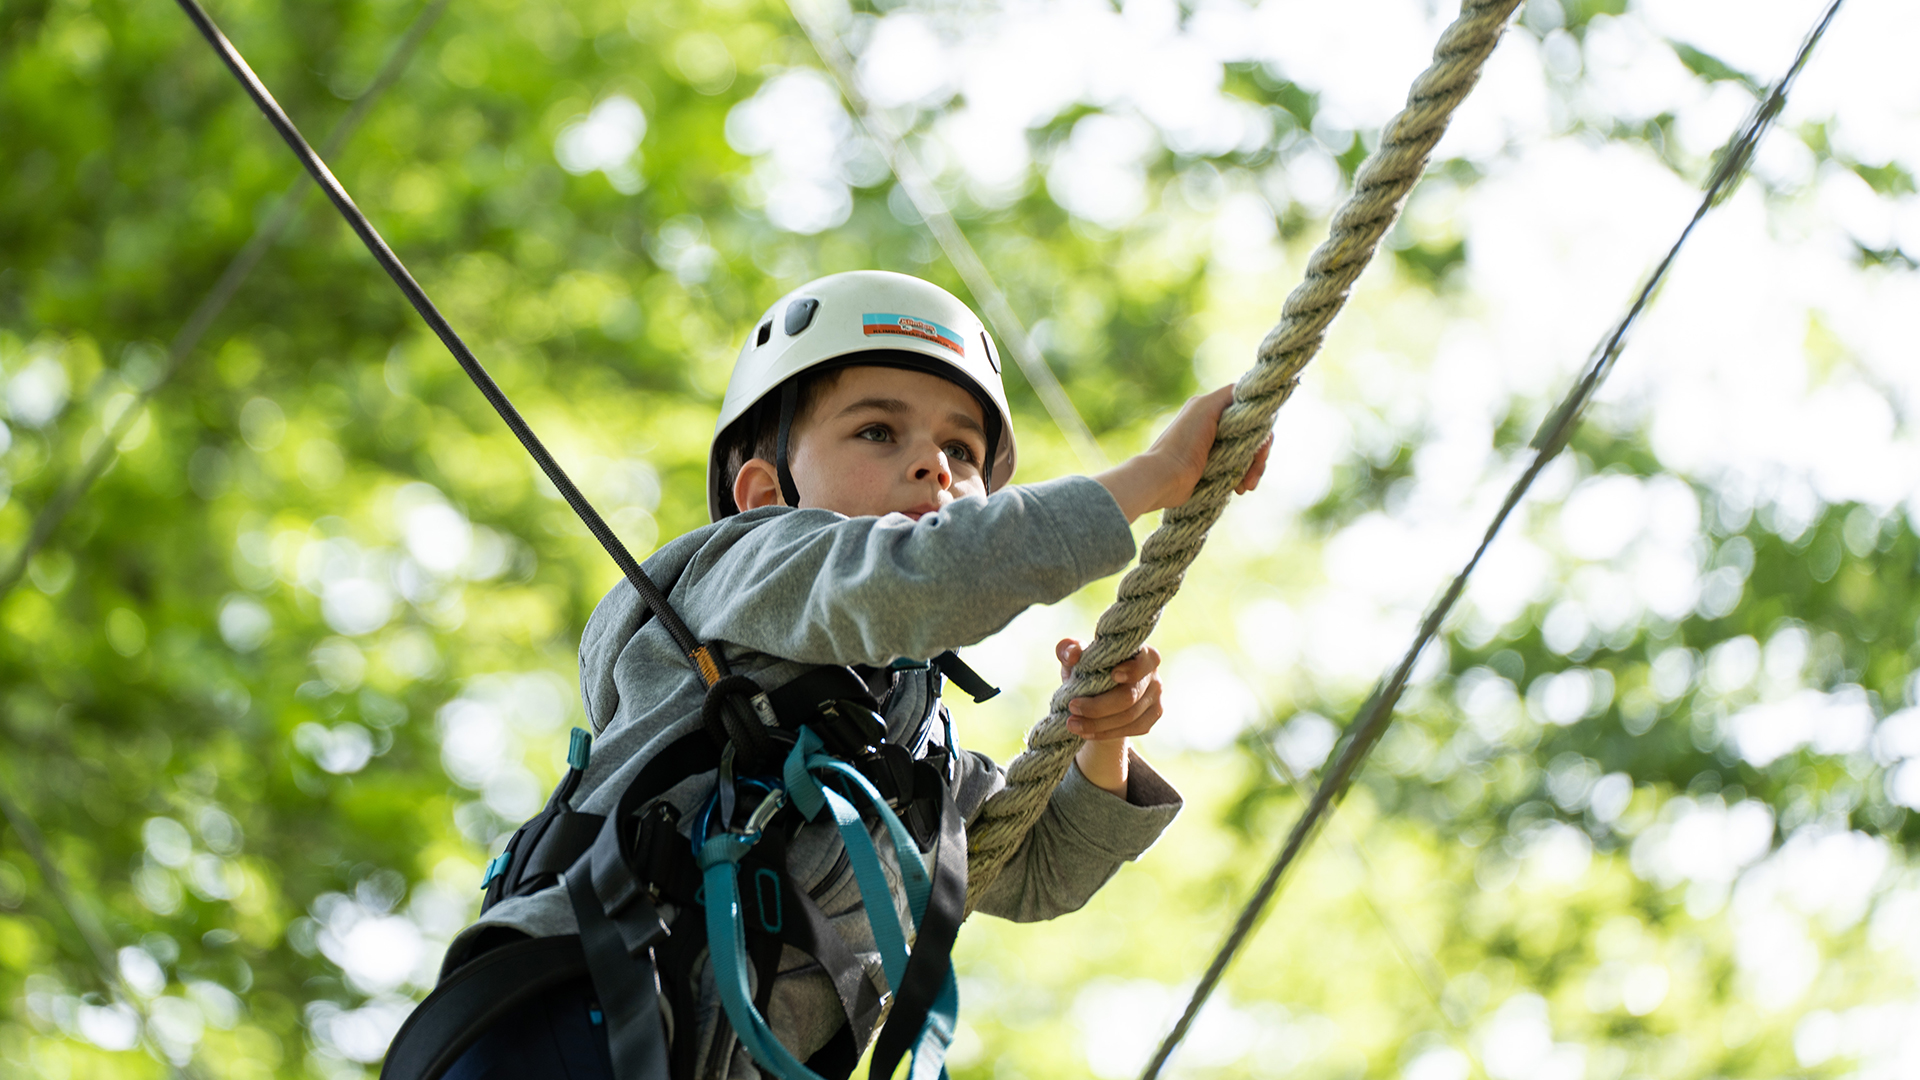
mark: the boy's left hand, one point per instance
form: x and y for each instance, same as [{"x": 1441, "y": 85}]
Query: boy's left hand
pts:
[{"x": 1132, "y": 707}]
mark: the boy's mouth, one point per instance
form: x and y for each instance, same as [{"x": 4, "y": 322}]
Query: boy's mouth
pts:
[{"x": 918, "y": 512}]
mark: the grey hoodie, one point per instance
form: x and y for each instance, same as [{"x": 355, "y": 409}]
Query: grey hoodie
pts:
[{"x": 782, "y": 589}]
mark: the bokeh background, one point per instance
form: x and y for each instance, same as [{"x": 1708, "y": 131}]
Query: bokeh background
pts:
[{"x": 283, "y": 679}]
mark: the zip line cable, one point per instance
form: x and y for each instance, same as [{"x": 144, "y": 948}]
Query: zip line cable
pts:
[
  {"x": 925, "y": 196},
  {"x": 706, "y": 662},
  {"x": 286, "y": 209},
  {"x": 1377, "y": 714},
  {"x": 282, "y": 215}
]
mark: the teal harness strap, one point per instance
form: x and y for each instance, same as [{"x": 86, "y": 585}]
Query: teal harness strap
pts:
[
  {"x": 719, "y": 859},
  {"x": 727, "y": 945},
  {"x": 809, "y": 796}
]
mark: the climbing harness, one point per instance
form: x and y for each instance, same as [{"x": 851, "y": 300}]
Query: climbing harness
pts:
[{"x": 728, "y": 889}]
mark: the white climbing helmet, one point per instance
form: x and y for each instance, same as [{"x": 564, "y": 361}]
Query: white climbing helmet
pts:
[{"x": 908, "y": 322}]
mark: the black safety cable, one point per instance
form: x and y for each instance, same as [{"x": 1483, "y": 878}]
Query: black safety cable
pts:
[
  {"x": 707, "y": 662},
  {"x": 1364, "y": 733}
]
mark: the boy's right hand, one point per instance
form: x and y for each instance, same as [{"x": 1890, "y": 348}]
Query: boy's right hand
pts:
[{"x": 1165, "y": 474}]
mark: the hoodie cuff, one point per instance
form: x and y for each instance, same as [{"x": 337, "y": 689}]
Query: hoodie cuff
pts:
[{"x": 1121, "y": 829}]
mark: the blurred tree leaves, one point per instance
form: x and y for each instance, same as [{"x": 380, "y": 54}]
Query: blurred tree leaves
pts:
[{"x": 282, "y": 680}]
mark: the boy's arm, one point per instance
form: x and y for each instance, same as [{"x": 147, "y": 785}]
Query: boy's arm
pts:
[
  {"x": 817, "y": 587},
  {"x": 1109, "y": 721},
  {"x": 1081, "y": 840},
  {"x": 1163, "y": 477},
  {"x": 1109, "y": 808}
]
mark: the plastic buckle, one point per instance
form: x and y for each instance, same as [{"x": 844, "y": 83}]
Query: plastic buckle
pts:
[
  {"x": 847, "y": 729},
  {"x": 579, "y": 750},
  {"x": 496, "y": 867}
]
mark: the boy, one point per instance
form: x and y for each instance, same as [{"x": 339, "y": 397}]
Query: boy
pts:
[{"x": 863, "y": 430}]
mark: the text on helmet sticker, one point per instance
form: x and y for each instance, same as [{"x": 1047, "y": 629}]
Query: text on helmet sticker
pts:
[{"x": 880, "y": 323}]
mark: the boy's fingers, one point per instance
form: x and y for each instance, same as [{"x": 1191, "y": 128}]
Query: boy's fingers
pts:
[
  {"x": 1133, "y": 679},
  {"x": 1098, "y": 731},
  {"x": 1068, "y": 653},
  {"x": 1256, "y": 470},
  {"x": 1139, "y": 666},
  {"x": 1120, "y": 699},
  {"x": 1118, "y": 707}
]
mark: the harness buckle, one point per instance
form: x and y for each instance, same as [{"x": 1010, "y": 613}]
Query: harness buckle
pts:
[
  {"x": 496, "y": 866},
  {"x": 848, "y": 730}
]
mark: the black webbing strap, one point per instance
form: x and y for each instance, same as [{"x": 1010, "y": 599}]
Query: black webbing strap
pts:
[
  {"x": 566, "y": 836},
  {"x": 473, "y": 998},
  {"x": 964, "y": 677},
  {"x": 932, "y": 955},
  {"x": 618, "y": 933},
  {"x": 707, "y": 662}
]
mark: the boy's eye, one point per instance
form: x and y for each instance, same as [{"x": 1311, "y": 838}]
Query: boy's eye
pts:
[
  {"x": 960, "y": 451},
  {"x": 874, "y": 433}
]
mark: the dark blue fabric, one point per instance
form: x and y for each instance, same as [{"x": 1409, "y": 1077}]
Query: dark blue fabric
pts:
[{"x": 559, "y": 1035}]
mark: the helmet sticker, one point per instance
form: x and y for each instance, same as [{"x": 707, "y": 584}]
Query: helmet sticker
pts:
[{"x": 878, "y": 323}]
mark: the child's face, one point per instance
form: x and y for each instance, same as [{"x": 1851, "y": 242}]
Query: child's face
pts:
[{"x": 886, "y": 440}]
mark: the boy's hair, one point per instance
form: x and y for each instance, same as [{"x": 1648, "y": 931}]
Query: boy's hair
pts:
[{"x": 757, "y": 434}]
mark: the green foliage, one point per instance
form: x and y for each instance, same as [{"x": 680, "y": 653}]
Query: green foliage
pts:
[{"x": 247, "y": 686}]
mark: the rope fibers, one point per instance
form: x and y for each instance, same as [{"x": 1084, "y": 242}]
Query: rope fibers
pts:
[
  {"x": 1367, "y": 728},
  {"x": 285, "y": 208},
  {"x": 1379, "y": 189},
  {"x": 946, "y": 232}
]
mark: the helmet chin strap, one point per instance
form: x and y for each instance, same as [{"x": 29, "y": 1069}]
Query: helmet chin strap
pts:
[{"x": 790, "y": 404}]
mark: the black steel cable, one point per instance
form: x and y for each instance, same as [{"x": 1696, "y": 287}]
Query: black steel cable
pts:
[
  {"x": 1377, "y": 714},
  {"x": 706, "y": 662}
]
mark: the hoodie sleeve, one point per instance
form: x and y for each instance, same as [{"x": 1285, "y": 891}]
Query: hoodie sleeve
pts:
[
  {"x": 1079, "y": 841},
  {"x": 818, "y": 587}
]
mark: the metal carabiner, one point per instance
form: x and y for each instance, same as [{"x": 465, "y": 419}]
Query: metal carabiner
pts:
[{"x": 769, "y": 806}]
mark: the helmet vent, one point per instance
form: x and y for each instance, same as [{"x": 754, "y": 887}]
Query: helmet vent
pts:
[
  {"x": 766, "y": 331},
  {"x": 800, "y": 315}
]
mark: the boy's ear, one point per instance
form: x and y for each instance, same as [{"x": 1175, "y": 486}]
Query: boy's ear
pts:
[{"x": 757, "y": 485}]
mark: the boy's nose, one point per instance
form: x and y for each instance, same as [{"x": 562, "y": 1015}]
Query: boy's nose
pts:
[{"x": 934, "y": 466}]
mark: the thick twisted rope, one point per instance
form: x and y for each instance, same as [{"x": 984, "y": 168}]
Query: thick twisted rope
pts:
[
  {"x": 1379, "y": 190},
  {"x": 1367, "y": 728}
]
